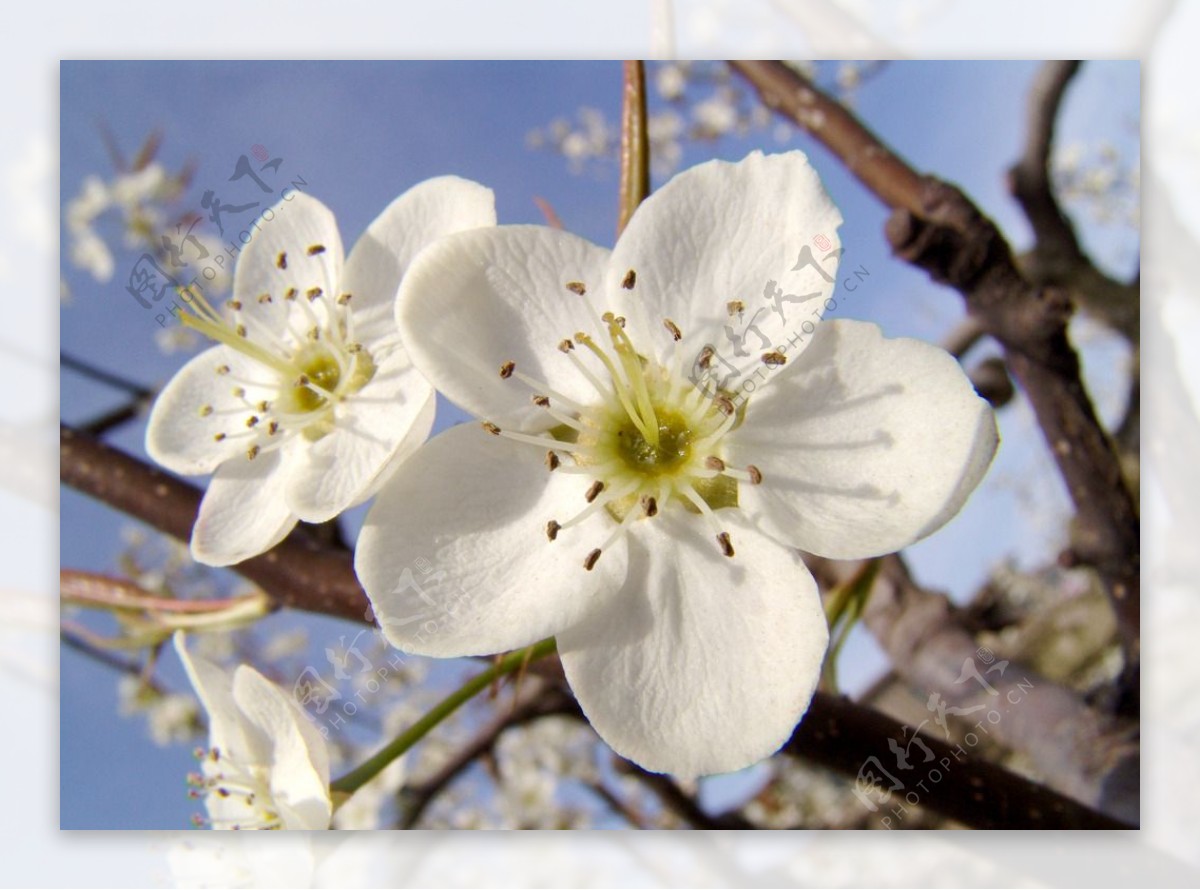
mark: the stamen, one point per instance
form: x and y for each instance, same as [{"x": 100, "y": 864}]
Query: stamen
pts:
[
  {"x": 594, "y": 491},
  {"x": 589, "y": 562},
  {"x": 676, "y": 334},
  {"x": 576, "y": 287},
  {"x": 552, "y": 529},
  {"x": 315, "y": 249},
  {"x": 774, "y": 359},
  {"x": 714, "y": 463},
  {"x": 506, "y": 370},
  {"x": 281, "y": 260},
  {"x": 630, "y": 280},
  {"x": 650, "y": 505},
  {"x": 552, "y": 461},
  {"x": 735, "y": 307},
  {"x": 725, "y": 544}
]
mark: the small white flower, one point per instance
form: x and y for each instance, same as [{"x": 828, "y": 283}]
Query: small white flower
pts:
[
  {"x": 266, "y": 766},
  {"x": 698, "y": 428},
  {"x": 310, "y": 399}
]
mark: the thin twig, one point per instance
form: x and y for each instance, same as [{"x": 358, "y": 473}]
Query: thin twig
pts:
[{"x": 635, "y": 144}]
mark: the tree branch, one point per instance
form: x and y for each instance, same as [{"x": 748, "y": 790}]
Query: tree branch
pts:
[
  {"x": 1075, "y": 748},
  {"x": 840, "y": 735},
  {"x": 298, "y": 572},
  {"x": 936, "y": 227},
  {"x": 1057, "y": 259}
]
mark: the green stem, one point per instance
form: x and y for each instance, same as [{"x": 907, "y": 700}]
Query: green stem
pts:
[{"x": 511, "y": 662}]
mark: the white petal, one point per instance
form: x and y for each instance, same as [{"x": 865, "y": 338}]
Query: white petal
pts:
[
  {"x": 284, "y": 236},
  {"x": 299, "y": 764},
  {"x": 454, "y": 554},
  {"x": 214, "y": 687},
  {"x": 385, "y": 421},
  {"x": 244, "y": 511},
  {"x": 479, "y": 299},
  {"x": 180, "y": 435},
  {"x": 722, "y": 232},
  {"x": 379, "y": 259},
  {"x": 866, "y": 446},
  {"x": 703, "y": 663}
]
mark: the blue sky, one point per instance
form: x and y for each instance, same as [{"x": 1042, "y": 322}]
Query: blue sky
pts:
[{"x": 361, "y": 133}]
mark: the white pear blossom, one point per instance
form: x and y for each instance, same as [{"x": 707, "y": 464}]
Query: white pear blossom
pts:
[
  {"x": 266, "y": 766},
  {"x": 310, "y": 399},
  {"x": 664, "y": 427}
]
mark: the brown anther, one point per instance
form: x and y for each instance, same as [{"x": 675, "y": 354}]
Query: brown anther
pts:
[
  {"x": 235, "y": 305},
  {"x": 576, "y": 287},
  {"x": 506, "y": 369},
  {"x": 552, "y": 461},
  {"x": 241, "y": 330},
  {"x": 206, "y": 410},
  {"x": 239, "y": 392},
  {"x": 264, "y": 298},
  {"x": 724, "y": 405},
  {"x": 343, "y": 299},
  {"x": 755, "y": 474},
  {"x": 542, "y": 401},
  {"x": 491, "y": 428},
  {"x": 608, "y": 318},
  {"x": 263, "y": 406},
  {"x": 735, "y": 307},
  {"x": 302, "y": 380},
  {"x": 252, "y": 452},
  {"x": 252, "y": 421},
  {"x": 290, "y": 293},
  {"x": 619, "y": 321},
  {"x": 630, "y": 280},
  {"x": 314, "y": 333},
  {"x": 272, "y": 427},
  {"x": 594, "y": 491},
  {"x": 774, "y": 359},
  {"x": 219, "y": 437},
  {"x": 589, "y": 561},
  {"x": 725, "y": 544},
  {"x": 650, "y": 505},
  {"x": 714, "y": 463},
  {"x": 704, "y": 360},
  {"x": 313, "y": 292},
  {"x": 314, "y": 249},
  {"x": 565, "y": 346},
  {"x": 281, "y": 260},
  {"x": 676, "y": 334},
  {"x": 223, "y": 370},
  {"x": 552, "y": 529}
]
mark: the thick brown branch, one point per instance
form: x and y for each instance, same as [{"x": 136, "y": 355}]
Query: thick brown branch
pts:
[
  {"x": 298, "y": 572},
  {"x": 1073, "y": 747},
  {"x": 936, "y": 227},
  {"x": 840, "y": 735}
]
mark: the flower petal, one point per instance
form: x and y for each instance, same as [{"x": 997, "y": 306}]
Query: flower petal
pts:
[
  {"x": 379, "y": 259},
  {"x": 479, "y": 299},
  {"x": 299, "y": 760},
  {"x": 181, "y": 433},
  {"x": 701, "y": 664},
  {"x": 454, "y": 554},
  {"x": 244, "y": 511},
  {"x": 762, "y": 231},
  {"x": 214, "y": 687},
  {"x": 294, "y": 244},
  {"x": 866, "y": 446},
  {"x": 383, "y": 423}
]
